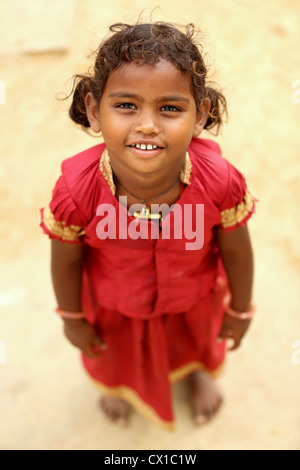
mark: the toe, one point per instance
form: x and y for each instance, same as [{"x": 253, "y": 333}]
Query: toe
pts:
[
  {"x": 122, "y": 422},
  {"x": 115, "y": 410},
  {"x": 205, "y": 398},
  {"x": 200, "y": 419}
]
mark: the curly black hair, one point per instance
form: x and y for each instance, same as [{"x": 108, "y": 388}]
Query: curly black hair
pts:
[{"x": 148, "y": 43}]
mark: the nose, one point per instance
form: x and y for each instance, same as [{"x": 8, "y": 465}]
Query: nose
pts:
[{"x": 147, "y": 124}]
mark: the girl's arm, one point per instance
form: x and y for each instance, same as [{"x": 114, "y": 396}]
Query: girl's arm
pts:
[
  {"x": 66, "y": 262},
  {"x": 66, "y": 270},
  {"x": 237, "y": 256}
]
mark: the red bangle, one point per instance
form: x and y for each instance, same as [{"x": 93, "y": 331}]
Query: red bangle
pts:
[
  {"x": 241, "y": 315},
  {"x": 69, "y": 315}
]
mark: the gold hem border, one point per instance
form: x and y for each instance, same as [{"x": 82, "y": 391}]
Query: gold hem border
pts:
[
  {"x": 122, "y": 391},
  {"x": 128, "y": 394},
  {"x": 184, "y": 371}
]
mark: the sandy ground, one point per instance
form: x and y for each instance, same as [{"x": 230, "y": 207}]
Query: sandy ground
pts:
[{"x": 47, "y": 402}]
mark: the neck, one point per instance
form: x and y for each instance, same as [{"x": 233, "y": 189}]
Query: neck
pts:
[
  {"x": 147, "y": 185},
  {"x": 152, "y": 198}
]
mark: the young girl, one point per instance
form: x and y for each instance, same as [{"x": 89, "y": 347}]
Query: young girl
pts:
[{"x": 149, "y": 230}]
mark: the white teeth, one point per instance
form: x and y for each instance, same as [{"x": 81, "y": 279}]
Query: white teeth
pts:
[{"x": 145, "y": 147}]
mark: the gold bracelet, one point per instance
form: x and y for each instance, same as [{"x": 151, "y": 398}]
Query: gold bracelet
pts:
[
  {"x": 69, "y": 315},
  {"x": 241, "y": 315}
]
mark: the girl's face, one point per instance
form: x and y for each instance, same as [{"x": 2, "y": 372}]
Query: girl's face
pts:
[{"x": 147, "y": 116}]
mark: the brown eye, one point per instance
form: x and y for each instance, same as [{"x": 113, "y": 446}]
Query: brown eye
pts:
[
  {"x": 126, "y": 106},
  {"x": 170, "y": 108}
]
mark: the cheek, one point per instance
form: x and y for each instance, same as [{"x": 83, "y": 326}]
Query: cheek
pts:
[
  {"x": 187, "y": 130},
  {"x": 114, "y": 124}
]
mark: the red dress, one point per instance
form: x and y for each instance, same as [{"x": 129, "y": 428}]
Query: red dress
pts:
[{"x": 157, "y": 305}]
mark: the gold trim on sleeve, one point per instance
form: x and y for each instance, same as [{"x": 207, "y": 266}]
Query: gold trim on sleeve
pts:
[
  {"x": 59, "y": 229},
  {"x": 235, "y": 215},
  {"x": 106, "y": 170}
]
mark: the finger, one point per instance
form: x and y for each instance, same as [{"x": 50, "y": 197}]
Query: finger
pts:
[
  {"x": 222, "y": 334},
  {"x": 220, "y": 338},
  {"x": 92, "y": 349},
  {"x": 99, "y": 342},
  {"x": 98, "y": 345},
  {"x": 90, "y": 352},
  {"x": 236, "y": 343},
  {"x": 225, "y": 333}
]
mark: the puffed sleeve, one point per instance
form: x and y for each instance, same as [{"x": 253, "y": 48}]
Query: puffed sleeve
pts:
[
  {"x": 238, "y": 204},
  {"x": 62, "y": 220}
]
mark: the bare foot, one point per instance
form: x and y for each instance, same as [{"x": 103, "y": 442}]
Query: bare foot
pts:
[
  {"x": 116, "y": 410},
  {"x": 205, "y": 397}
]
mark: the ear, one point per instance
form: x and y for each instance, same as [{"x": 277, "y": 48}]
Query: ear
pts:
[
  {"x": 202, "y": 115},
  {"x": 92, "y": 112}
]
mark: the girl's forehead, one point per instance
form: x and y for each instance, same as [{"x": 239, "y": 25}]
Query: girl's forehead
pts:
[{"x": 162, "y": 76}]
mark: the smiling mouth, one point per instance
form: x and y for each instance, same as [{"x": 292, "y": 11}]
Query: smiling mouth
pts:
[{"x": 146, "y": 146}]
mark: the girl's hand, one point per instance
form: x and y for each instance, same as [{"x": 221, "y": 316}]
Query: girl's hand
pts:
[
  {"x": 235, "y": 329},
  {"x": 84, "y": 336}
]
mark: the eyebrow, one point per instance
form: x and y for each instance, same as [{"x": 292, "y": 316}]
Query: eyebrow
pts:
[
  {"x": 174, "y": 98},
  {"x": 120, "y": 94}
]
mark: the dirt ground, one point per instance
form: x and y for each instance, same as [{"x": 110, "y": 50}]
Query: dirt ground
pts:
[{"x": 47, "y": 402}]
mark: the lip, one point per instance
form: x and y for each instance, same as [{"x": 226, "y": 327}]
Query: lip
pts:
[
  {"x": 145, "y": 153},
  {"x": 146, "y": 142}
]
